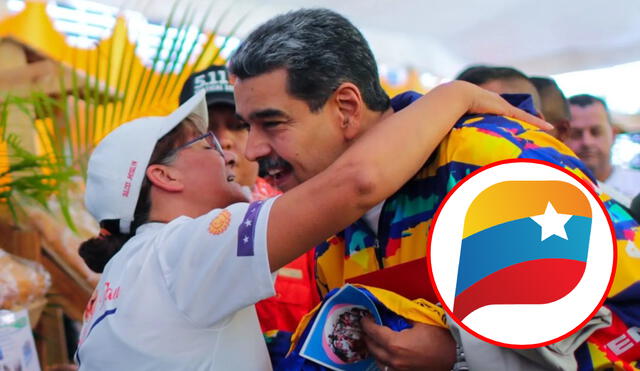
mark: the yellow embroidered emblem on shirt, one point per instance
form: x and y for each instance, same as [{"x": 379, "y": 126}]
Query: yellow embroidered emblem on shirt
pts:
[{"x": 220, "y": 223}]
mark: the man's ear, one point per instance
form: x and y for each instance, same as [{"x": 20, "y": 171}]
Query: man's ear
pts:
[
  {"x": 165, "y": 177},
  {"x": 350, "y": 107},
  {"x": 615, "y": 130},
  {"x": 561, "y": 130}
]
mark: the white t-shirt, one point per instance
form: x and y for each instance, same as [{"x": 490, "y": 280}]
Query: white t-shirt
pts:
[
  {"x": 625, "y": 181},
  {"x": 179, "y": 296}
]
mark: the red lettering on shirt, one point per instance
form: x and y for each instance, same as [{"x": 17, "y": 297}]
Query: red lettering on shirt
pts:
[
  {"x": 132, "y": 169},
  {"x": 127, "y": 185}
]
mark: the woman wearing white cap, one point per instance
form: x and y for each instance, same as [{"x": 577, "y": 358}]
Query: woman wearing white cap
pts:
[{"x": 184, "y": 256}]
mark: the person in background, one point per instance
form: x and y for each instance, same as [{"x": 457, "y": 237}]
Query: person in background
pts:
[
  {"x": 591, "y": 136},
  {"x": 555, "y": 109},
  {"x": 222, "y": 120},
  {"x": 547, "y": 99},
  {"x": 295, "y": 284},
  {"x": 554, "y": 105},
  {"x": 501, "y": 80}
]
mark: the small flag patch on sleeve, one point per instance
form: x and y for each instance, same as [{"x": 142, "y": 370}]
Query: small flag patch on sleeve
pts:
[{"x": 246, "y": 231}]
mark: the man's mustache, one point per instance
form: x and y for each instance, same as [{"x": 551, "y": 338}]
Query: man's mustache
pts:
[{"x": 269, "y": 163}]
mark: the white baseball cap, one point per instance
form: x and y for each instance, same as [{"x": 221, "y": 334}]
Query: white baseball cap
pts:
[{"x": 118, "y": 164}]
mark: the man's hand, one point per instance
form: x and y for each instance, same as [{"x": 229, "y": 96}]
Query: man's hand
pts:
[{"x": 422, "y": 347}]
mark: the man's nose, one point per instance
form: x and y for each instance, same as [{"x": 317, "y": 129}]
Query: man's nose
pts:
[
  {"x": 588, "y": 139},
  {"x": 257, "y": 146}
]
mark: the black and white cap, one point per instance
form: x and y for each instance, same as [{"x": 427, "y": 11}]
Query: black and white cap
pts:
[{"x": 214, "y": 81}]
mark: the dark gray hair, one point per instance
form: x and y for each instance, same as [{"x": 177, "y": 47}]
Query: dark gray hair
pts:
[
  {"x": 583, "y": 100},
  {"x": 319, "y": 49},
  {"x": 546, "y": 86},
  {"x": 480, "y": 74}
]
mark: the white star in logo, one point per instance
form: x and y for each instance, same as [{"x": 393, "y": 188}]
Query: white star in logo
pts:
[
  {"x": 245, "y": 239},
  {"x": 248, "y": 223},
  {"x": 552, "y": 223}
]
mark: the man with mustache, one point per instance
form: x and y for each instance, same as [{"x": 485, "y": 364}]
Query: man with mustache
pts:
[{"x": 307, "y": 84}]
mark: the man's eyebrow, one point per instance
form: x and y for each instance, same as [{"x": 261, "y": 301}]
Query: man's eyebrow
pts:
[
  {"x": 240, "y": 117},
  {"x": 263, "y": 114}
]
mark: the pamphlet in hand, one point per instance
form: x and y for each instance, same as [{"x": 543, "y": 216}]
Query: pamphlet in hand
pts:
[{"x": 336, "y": 339}]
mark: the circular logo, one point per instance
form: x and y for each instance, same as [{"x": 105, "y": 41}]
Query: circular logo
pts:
[
  {"x": 342, "y": 338},
  {"x": 521, "y": 253}
]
